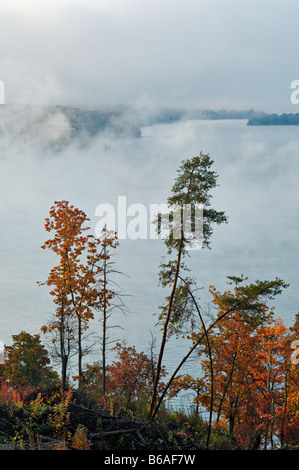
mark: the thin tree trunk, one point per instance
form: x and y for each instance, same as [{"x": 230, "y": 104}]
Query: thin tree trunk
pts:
[
  {"x": 226, "y": 387},
  {"x": 284, "y": 410},
  {"x": 231, "y": 421},
  {"x": 164, "y": 337},
  {"x": 64, "y": 361},
  {"x": 80, "y": 351},
  {"x": 104, "y": 325},
  {"x": 62, "y": 349},
  {"x": 64, "y": 358}
]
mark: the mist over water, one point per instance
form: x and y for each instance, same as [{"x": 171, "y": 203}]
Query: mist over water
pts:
[{"x": 258, "y": 189}]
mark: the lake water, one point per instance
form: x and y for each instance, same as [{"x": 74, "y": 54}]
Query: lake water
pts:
[{"x": 258, "y": 189}]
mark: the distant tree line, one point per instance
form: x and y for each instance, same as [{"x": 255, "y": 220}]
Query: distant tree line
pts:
[{"x": 274, "y": 120}]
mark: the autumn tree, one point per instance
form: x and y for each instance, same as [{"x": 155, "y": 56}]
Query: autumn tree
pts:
[
  {"x": 76, "y": 280},
  {"x": 248, "y": 359},
  {"x": 27, "y": 362},
  {"x": 192, "y": 188},
  {"x": 188, "y": 383},
  {"x": 130, "y": 375},
  {"x": 271, "y": 373},
  {"x": 129, "y": 380}
]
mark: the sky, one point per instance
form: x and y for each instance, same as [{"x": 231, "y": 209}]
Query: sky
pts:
[{"x": 191, "y": 53}]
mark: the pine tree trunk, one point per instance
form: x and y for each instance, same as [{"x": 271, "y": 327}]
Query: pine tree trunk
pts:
[{"x": 164, "y": 337}]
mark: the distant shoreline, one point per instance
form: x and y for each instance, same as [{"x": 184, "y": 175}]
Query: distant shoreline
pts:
[{"x": 274, "y": 120}]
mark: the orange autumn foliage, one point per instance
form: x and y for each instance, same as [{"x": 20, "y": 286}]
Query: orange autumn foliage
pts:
[{"x": 255, "y": 384}]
